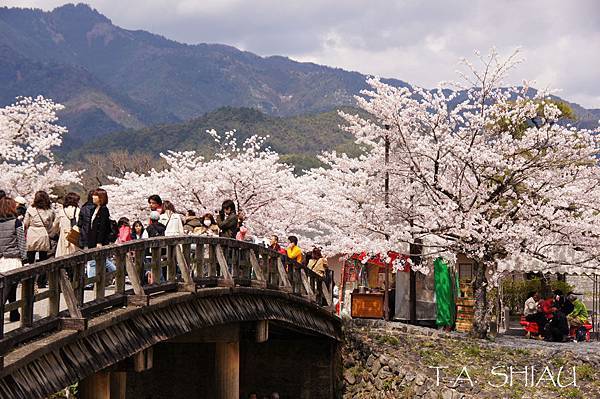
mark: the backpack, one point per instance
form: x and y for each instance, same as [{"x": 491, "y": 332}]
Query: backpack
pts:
[
  {"x": 155, "y": 230},
  {"x": 114, "y": 231},
  {"x": 581, "y": 334}
]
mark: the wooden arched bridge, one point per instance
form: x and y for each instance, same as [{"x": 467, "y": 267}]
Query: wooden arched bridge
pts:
[{"x": 233, "y": 318}]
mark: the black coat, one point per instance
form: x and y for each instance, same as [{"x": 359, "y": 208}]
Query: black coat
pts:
[
  {"x": 155, "y": 230},
  {"x": 84, "y": 223},
  {"x": 228, "y": 225},
  {"x": 100, "y": 228}
]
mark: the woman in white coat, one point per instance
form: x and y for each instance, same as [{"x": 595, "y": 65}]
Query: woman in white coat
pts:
[
  {"x": 175, "y": 228},
  {"x": 38, "y": 223},
  {"x": 173, "y": 220},
  {"x": 66, "y": 217}
]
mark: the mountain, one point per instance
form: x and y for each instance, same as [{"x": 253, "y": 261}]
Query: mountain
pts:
[
  {"x": 297, "y": 138},
  {"x": 111, "y": 77},
  {"x": 92, "y": 108}
]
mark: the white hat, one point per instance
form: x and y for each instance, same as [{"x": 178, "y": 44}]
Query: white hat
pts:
[{"x": 20, "y": 200}]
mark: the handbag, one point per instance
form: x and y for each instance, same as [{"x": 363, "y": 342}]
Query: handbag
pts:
[{"x": 74, "y": 235}]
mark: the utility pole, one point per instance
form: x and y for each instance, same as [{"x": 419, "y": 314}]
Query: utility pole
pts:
[
  {"x": 386, "y": 299},
  {"x": 416, "y": 249}
]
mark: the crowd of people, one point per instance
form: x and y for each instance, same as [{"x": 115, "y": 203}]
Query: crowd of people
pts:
[
  {"x": 555, "y": 314},
  {"x": 33, "y": 233}
]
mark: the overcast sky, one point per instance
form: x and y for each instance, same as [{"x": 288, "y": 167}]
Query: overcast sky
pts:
[{"x": 417, "y": 41}]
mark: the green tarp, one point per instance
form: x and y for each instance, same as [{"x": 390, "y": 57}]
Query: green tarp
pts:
[{"x": 444, "y": 294}]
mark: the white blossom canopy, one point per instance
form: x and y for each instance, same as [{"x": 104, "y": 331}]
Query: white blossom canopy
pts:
[
  {"x": 267, "y": 191},
  {"x": 486, "y": 171},
  {"x": 28, "y": 134}
]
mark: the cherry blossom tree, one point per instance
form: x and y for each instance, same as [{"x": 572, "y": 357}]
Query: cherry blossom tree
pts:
[
  {"x": 28, "y": 133},
  {"x": 262, "y": 187},
  {"x": 482, "y": 170},
  {"x": 349, "y": 196}
]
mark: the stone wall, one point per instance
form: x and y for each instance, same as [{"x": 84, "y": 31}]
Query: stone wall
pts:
[
  {"x": 373, "y": 371},
  {"x": 395, "y": 360}
]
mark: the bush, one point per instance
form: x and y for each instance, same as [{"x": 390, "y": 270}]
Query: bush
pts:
[{"x": 514, "y": 293}]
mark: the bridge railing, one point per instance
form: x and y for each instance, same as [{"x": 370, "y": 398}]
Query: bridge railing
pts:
[{"x": 151, "y": 266}]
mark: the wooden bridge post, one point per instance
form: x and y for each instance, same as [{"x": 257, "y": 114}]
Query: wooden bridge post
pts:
[
  {"x": 53, "y": 287},
  {"x": 223, "y": 267},
  {"x": 198, "y": 262},
  {"x": 258, "y": 271},
  {"x": 262, "y": 331},
  {"x": 326, "y": 292},
  {"x": 212, "y": 271},
  {"x": 103, "y": 385},
  {"x": 27, "y": 299},
  {"x": 95, "y": 386},
  {"x": 139, "y": 298},
  {"x": 76, "y": 320},
  {"x": 183, "y": 259},
  {"x": 310, "y": 295},
  {"x": 121, "y": 258},
  {"x": 118, "y": 385},
  {"x": 268, "y": 260},
  {"x": 227, "y": 369},
  {"x": 156, "y": 265},
  {"x": 171, "y": 259},
  {"x": 79, "y": 275},
  {"x": 283, "y": 277},
  {"x": 100, "y": 285}
]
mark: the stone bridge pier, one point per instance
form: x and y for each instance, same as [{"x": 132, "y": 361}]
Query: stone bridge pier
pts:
[{"x": 228, "y": 361}]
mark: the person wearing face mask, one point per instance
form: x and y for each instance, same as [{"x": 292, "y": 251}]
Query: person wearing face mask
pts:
[
  {"x": 209, "y": 226},
  {"x": 227, "y": 219}
]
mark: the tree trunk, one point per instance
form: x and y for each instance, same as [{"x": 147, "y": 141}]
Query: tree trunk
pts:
[
  {"x": 544, "y": 286},
  {"x": 480, "y": 318}
]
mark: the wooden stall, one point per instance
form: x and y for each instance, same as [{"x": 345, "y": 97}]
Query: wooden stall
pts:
[
  {"x": 367, "y": 305},
  {"x": 364, "y": 286}
]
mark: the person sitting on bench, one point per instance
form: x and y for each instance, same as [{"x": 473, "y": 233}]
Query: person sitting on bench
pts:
[
  {"x": 579, "y": 316},
  {"x": 557, "y": 327},
  {"x": 533, "y": 312}
]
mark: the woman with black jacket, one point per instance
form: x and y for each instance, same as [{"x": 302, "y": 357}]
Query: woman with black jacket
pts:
[
  {"x": 85, "y": 220},
  {"x": 100, "y": 229},
  {"x": 227, "y": 219}
]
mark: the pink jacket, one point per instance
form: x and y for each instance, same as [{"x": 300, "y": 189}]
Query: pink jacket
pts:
[
  {"x": 241, "y": 234},
  {"x": 124, "y": 234}
]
